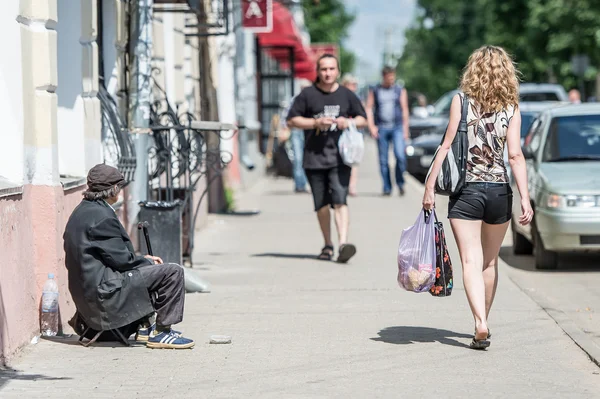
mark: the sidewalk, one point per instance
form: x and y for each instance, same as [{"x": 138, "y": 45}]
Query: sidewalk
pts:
[{"x": 304, "y": 328}]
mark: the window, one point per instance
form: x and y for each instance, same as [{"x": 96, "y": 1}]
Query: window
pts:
[
  {"x": 539, "y": 96},
  {"x": 573, "y": 138},
  {"x": 533, "y": 139},
  {"x": 526, "y": 123}
]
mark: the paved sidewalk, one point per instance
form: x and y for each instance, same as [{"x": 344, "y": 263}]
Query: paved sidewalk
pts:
[{"x": 304, "y": 328}]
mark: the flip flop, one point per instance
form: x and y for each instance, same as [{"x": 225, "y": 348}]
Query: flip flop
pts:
[
  {"x": 479, "y": 344},
  {"x": 346, "y": 252},
  {"x": 326, "y": 253}
]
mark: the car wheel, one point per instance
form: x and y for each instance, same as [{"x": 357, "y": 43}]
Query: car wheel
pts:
[
  {"x": 521, "y": 245},
  {"x": 544, "y": 260}
]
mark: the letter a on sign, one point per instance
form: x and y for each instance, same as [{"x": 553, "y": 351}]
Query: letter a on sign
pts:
[
  {"x": 257, "y": 15},
  {"x": 254, "y": 10}
]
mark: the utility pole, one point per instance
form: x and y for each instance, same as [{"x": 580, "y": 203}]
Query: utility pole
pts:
[{"x": 140, "y": 100}]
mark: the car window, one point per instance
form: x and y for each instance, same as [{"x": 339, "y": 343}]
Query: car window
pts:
[
  {"x": 527, "y": 119},
  {"x": 540, "y": 96},
  {"x": 535, "y": 134},
  {"x": 442, "y": 105},
  {"x": 572, "y": 138}
]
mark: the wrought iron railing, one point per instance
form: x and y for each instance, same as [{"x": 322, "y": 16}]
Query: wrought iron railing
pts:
[
  {"x": 183, "y": 152},
  {"x": 117, "y": 146}
]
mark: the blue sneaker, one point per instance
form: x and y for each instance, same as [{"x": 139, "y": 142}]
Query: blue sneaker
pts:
[
  {"x": 169, "y": 340},
  {"x": 143, "y": 334}
]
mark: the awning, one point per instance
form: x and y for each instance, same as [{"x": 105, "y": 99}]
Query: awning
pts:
[{"x": 285, "y": 34}]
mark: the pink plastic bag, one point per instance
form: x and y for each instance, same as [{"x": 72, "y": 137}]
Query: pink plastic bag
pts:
[{"x": 416, "y": 254}]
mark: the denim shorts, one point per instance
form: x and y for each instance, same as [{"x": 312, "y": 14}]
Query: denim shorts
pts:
[{"x": 490, "y": 202}]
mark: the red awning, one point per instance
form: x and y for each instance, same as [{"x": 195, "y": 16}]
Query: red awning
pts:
[{"x": 285, "y": 34}]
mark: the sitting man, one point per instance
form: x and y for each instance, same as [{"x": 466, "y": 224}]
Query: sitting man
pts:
[{"x": 110, "y": 285}]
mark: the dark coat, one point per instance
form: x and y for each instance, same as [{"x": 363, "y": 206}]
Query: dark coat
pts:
[{"x": 106, "y": 286}]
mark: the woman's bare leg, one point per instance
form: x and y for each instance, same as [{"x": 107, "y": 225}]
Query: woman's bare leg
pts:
[
  {"x": 492, "y": 236},
  {"x": 468, "y": 237}
]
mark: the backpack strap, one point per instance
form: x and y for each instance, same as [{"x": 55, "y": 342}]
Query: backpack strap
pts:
[{"x": 462, "y": 126}]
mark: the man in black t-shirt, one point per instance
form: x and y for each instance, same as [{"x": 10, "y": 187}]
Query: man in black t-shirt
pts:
[{"x": 323, "y": 111}]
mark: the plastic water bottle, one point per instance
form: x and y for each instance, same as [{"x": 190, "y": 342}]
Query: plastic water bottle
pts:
[{"x": 49, "y": 316}]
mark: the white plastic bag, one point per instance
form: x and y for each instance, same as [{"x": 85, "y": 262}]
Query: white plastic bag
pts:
[
  {"x": 351, "y": 145},
  {"x": 416, "y": 254}
]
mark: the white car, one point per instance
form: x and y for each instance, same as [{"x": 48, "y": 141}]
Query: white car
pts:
[{"x": 562, "y": 153}]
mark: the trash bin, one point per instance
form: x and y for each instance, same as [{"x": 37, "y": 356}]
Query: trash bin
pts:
[{"x": 164, "y": 229}]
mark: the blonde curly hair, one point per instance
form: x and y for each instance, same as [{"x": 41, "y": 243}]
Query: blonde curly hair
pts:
[{"x": 491, "y": 79}]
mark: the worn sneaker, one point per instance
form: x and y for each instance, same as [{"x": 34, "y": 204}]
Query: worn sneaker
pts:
[
  {"x": 143, "y": 334},
  {"x": 169, "y": 340}
]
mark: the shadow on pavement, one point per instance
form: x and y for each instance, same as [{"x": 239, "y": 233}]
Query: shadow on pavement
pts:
[
  {"x": 404, "y": 335},
  {"x": 285, "y": 256},
  {"x": 8, "y": 374},
  {"x": 567, "y": 262},
  {"x": 286, "y": 193},
  {"x": 73, "y": 339},
  {"x": 240, "y": 213}
]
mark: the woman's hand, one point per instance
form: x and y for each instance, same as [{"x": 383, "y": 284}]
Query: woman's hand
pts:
[
  {"x": 526, "y": 212},
  {"x": 428, "y": 198}
]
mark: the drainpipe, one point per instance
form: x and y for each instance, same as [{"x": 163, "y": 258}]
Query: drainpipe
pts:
[{"x": 140, "y": 100}]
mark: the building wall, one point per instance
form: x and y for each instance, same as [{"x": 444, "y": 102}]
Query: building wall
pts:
[{"x": 42, "y": 144}]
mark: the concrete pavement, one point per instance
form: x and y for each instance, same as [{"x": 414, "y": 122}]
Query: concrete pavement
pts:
[{"x": 304, "y": 328}]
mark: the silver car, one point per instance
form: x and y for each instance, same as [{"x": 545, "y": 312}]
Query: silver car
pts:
[
  {"x": 562, "y": 151},
  {"x": 533, "y": 92}
]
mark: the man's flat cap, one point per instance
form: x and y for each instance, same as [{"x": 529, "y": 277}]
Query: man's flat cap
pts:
[{"x": 103, "y": 177}]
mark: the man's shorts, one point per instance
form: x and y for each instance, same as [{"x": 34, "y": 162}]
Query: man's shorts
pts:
[
  {"x": 490, "y": 202},
  {"x": 329, "y": 186}
]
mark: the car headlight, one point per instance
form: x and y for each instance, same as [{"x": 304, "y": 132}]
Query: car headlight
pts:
[
  {"x": 573, "y": 201},
  {"x": 412, "y": 151}
]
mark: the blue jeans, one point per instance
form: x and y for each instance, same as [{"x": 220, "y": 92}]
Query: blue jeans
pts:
[
  {"x": 297, "y": 140},
  {"x": 394, "y": 135}
]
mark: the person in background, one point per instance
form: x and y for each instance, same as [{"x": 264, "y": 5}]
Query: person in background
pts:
[
  {"x": 420, "y": 110},
  {"x": 574, "y": 96},
  {"x": 388, "y": 114},
  {"x": 297, "y": 142},
  {"x": 351, "y": 83},
  {"x": 322, "y": 111},
  {"x": 480, "y": 214}
]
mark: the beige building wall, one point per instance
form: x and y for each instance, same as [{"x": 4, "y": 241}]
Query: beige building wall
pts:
[{"x": 35, "y": 201}]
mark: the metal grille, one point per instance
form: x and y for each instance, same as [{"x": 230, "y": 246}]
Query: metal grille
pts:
[{"x": 117, "y": 147}]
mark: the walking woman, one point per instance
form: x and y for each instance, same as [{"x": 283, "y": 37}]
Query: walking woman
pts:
[{"x": 480, "y": 214}]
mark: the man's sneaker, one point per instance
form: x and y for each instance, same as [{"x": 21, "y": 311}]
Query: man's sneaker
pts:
[
  {"x": 169, "y": 340},
  {"x": 143, "y": 334}
]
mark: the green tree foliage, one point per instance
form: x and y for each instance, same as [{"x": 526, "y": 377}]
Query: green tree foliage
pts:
[
  {"x": 328, "y": 21},
  {"x": 542, "y": 35}
]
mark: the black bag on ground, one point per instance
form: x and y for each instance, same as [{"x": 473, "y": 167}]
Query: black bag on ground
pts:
[{"x": 453, "y": 174}]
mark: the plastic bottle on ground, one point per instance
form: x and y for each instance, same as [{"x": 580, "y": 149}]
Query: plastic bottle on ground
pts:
[{"x": 49, "y": 316}]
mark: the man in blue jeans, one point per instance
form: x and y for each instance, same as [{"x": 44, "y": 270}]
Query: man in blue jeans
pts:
[{"x": 387, "y": 113}]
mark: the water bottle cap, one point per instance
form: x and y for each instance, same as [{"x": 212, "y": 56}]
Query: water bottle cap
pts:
[{"x": 50, "y": 275}]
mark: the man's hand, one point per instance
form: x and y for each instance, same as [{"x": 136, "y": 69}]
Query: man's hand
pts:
[
  {"x": 324, "y": 123},
  {"x": 406, "y": 135},
  {"x": 155, "y": 259},
  {"x": 342, "y": 123},
  {"x": 374, "y": 132}
]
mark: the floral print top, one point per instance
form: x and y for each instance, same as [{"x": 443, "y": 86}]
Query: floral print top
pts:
[{"x": 487, "y": 137}]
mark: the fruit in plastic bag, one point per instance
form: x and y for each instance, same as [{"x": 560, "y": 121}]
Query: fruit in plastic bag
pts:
[{"x": 416, "y": 254}]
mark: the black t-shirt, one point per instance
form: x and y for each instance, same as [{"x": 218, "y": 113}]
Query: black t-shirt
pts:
[{"x": 321, "y": 150}]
